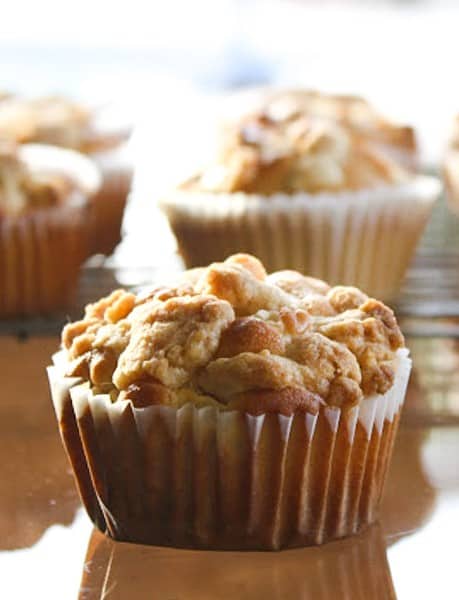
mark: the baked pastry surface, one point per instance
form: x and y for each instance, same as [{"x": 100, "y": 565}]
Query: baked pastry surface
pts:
[{"x": 231, "y": 336}]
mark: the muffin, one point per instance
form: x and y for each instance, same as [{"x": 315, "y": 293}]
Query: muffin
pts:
[
  {"x": 231, "y": 409},
  {"x": 44, "y": 233},
  {"x": 68, "y": 124},
  {"x": 306, "y": 193}
]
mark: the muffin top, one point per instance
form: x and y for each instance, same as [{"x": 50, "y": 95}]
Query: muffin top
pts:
[
  {"x": 288, "y": 151},
  {"x": 233, "y": 337},
  {"x": 55, "y": 120},
  {"x": 21, "y": 189},
  {"x": 353, "y": 112}
]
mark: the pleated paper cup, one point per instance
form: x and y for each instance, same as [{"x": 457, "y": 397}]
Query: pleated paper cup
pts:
[
  {"x": 40, "y": 256},
  {"x": 109, "y": 203},
  {"x": 364, "y": 238},
  {"x": 208, "y": 478}
]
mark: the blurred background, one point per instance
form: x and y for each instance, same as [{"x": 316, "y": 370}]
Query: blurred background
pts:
[
  {"x": 167, "y": 65},
  {"x": 159, "y": 57}
]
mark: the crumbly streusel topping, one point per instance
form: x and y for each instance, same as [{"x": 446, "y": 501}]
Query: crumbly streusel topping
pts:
[
  {"x": 232, "y": 336},
  {"x": 294, "y": 151},
  {"x": 20, "y": 189}
]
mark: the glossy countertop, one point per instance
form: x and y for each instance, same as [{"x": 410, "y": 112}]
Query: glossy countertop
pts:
[{"x": 49, "y": 549}]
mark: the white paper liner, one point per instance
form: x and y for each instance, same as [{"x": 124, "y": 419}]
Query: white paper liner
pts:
[
  {"x": 40, "y": 256},
  {"x": 200, "y": 477},
  {"x": 364, "y": 238}
]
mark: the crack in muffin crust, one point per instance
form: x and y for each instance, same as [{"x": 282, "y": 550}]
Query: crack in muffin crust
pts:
[{"x": 231, "y": 336}]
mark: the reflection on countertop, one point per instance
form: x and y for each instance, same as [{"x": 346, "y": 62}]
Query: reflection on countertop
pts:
[{"x": 36, "y": 485}]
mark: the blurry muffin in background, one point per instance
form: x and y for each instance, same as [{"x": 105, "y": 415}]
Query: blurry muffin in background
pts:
[
  {"x": 353, "y": 112},
  {"x": 308, "y": 193},
  {"x": 451, "y": 167},
  {"x": 45, "y": 195},
  {"x": 62, "y": 122},
  {"x": 231, "y": 409}
]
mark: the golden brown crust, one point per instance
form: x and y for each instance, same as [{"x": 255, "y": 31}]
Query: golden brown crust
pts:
[
  {"x": 295, "y": 321},
  {"x": 246, "y": 293},
  {"x": 333, "y": 365},
  {"x": 371, "y": 333},
  {"x": 171, "y": 340},
  {"x": 249, "y": 263},
  {"x": 230, "y": 336},
  {"x": 344, "y": 298},
  {"x": 297, "y": 284},
  {"x": 225, "y": 377},
  {"x": 249, "y": 334}
]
